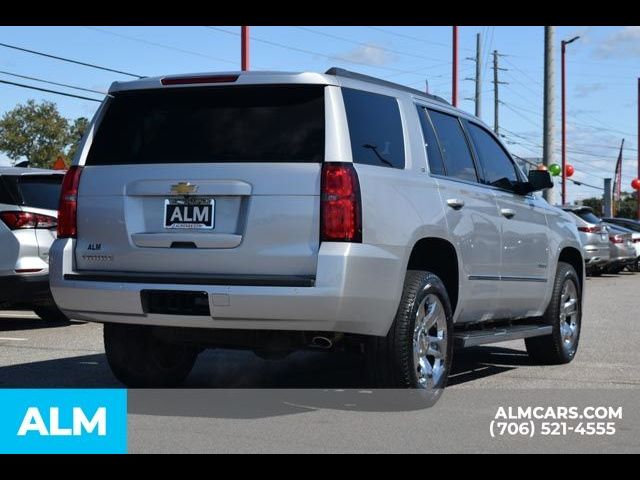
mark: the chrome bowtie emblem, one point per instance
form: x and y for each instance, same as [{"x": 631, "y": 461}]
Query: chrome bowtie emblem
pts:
[{"x": 184, "y": 188}]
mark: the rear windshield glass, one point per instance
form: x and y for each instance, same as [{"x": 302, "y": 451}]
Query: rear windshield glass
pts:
[
  {"x": 210, "y": 125},
  {"x": 588, "y": 216},
  {"x": 40, "y": 191}
]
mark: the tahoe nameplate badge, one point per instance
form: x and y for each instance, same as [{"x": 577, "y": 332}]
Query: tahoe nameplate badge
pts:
[{"x": 189, "y": 213}]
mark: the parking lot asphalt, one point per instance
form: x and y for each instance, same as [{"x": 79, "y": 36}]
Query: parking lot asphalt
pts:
[{"x": 34, "y": 353}]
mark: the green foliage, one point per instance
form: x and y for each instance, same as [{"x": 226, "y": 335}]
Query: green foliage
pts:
[
  {"x": 595, "y": 203},
  {"x": 37, "y": 132},
  {"x": 625, "y": 208},
  {"x": 76, "y": 130}
]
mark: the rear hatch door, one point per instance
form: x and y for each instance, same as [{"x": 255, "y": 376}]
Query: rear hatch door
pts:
[{"x": 204, "y": 180}]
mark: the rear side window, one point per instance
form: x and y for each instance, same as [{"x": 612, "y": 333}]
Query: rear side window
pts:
[
  {"x": 281, "y": 123},
  {"x": 436, "y": 164},
  {"x": 587, "y": 216},
  {"x": 375, "y": 128},
  {"x": 5, "y": 195},
  {"x": 455, "y": 150},
  {"x": 40, "y": 191},
  {"x": 498, "y": 168}
]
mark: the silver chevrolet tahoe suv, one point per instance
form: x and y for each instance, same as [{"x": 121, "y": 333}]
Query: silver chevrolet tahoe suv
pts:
[{"x": 279, "y": 211}]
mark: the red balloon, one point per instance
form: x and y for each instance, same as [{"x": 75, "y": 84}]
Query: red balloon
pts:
[
  {"x": 569, "y": 170},
  {"x": 635, "y": 184}
]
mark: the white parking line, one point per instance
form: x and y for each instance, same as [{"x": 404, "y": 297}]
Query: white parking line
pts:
[{"x": 14, "y": 339}]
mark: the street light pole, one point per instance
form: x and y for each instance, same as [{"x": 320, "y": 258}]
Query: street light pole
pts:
[{"x": 564, "y": 44}]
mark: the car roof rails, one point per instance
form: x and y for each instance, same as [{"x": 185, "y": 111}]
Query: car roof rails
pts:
[{"x": 341, "y": 72}]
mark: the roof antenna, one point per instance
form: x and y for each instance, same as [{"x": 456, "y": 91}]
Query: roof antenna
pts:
[{"x": 426, "y": 81}]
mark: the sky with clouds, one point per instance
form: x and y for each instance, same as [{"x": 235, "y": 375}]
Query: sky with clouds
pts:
[{"x": 602, "y": 71}]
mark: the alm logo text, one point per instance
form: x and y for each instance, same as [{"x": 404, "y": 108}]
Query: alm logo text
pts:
[{"x": 34, "y": 422}]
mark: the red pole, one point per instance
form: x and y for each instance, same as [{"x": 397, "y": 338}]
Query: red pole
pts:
[
  {"x": 454, "y": 76},
  {"x": 564, "y": 126},
  {"x": 245, "y": 48}
]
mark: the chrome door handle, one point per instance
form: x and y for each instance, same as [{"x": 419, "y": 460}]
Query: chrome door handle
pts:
[
  {"x": 507, "y": 213},
  {"x": 455, "y": 203}
]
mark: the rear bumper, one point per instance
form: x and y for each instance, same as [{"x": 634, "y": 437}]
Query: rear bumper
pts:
[
  {"x": 357, "y": 289},
  {"x": 626, "y": 260},
  {"x": 23, "y": 289},
  {"x": 595, "y": 255}
]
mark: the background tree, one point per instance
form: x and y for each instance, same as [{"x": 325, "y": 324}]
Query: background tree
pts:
[
  {"x": 38, "y": 133},
  {"x": 625, "y": 208},
  {"x": 595, "y": 203},
  {"x": 76, "y": 131}
]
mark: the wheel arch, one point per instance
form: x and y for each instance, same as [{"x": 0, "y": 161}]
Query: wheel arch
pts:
[
  {"x": 439, "y": 256},
  {"x": 573, "y": 257}
]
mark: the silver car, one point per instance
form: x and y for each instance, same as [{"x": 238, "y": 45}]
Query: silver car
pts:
[
  {"x": 278, "y": 211},
  {"x": 622, "y": 248},
  {"x": 28, "y": 218},
  {"x": 594, "y": 236},
  {"x": 634, "y": 227}
]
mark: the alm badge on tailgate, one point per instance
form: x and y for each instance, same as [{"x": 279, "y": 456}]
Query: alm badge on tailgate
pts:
[{"x": 188, "y": 212}]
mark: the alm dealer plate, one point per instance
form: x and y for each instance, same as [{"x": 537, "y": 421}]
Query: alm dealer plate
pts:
[{"x": 194, "y": 213}]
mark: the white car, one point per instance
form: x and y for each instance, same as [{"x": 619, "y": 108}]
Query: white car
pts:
[{"x": 28, "y": 217}]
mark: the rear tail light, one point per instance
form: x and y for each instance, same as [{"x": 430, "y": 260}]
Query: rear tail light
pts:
[
  {"x": 589, "y": 229},
  {"x": 616, "y": 239},
  {"x": 340, "y": 209},
  {"x": 20, "y": 220},
  {"x": 67, "y": 211}
]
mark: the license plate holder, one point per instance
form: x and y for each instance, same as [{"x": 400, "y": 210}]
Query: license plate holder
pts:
[{"x": 190, "y": 214}]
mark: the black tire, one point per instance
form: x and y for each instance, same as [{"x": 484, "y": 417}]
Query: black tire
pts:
[
  {"x": 552, "y": 349},
  {"x": 596, "y": 272},
  {"x": 390, "y": 359},
  {"x": 50, "y": 313},
  {"x": 139, "y": 359}
]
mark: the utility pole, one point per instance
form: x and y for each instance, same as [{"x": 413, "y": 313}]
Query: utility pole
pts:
[
  {"x": 496, "y": 98},
  {"x": 478, "y": 76},
  {"x": 549, "y": 107},
  {"x": 244, "y": 48},
  {"x": 638, "y": 147},
  {"x": 606, "y": 199},
  {"x": 454, "y": 73}
]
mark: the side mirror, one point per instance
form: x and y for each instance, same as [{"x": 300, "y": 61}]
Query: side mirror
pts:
[{"x": 538, "y": 180}]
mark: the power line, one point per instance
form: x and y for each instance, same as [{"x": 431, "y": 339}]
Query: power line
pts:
[
  {"x": 355, "y": 42},
  {"x": 160, "y": 45},
  {"x": 574, "y": 115},
  {"x": 52, "y": 83},
  {"x": 409, "y": 37},
  {"x": 315, "y": 53},
  {"x": 63, "y": 59},
  {"x": 50, "y": 91}
]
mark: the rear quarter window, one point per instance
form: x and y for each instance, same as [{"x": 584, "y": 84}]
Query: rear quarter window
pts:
[
  {"x": 588, "y": 216},
  {"x": 266, "y": 123},
  {"x": 375, "y": 128},
  {"x": 40, "y": 191}
]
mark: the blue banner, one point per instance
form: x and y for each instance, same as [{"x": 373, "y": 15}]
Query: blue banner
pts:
[{"x": 63, "y": 421}]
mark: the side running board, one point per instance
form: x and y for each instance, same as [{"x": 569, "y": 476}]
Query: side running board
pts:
[{"x": 470, "y": 338}]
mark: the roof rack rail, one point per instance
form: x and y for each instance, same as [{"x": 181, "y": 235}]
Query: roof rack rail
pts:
[{"x": 341, "y": 72}]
